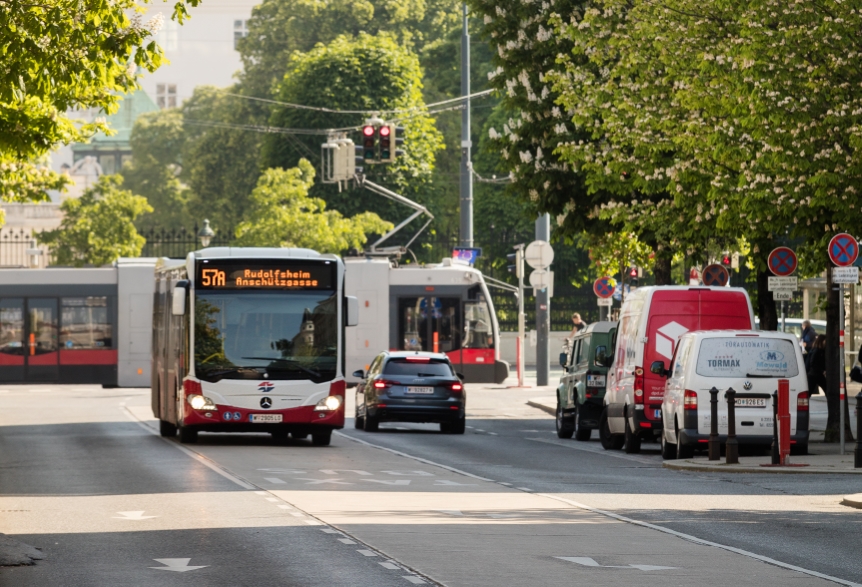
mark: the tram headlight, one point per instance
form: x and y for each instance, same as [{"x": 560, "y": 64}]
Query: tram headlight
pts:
[
  {"x": 200, "y": 402},
  {"x": 328, "y": 404}
]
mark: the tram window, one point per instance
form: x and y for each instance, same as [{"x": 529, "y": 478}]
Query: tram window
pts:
[
  {"x": 85, "y": 323},
  {"x": 12, "y": 327},
  {"x": 477, "y": 325}
]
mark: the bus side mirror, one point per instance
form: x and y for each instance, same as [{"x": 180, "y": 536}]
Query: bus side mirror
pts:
[
  {"x": 352, "y": 310},
  {"x": 178, "y": 301},
  {"x": 563, "y": 357},
  {"x": 601, "y": 358}
]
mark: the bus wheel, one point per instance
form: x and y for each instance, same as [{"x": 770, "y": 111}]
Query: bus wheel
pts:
[
  {"x": 188, "y": 435},
  {"x": 321, "y": 438},
  {"x": 167, "y": 429},
  {"x": 299, "y": 435}
]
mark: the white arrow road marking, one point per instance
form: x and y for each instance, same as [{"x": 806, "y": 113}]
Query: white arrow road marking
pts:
[
  {"x": 179, "y": 565},
  {"x": 386, "y": 482},
  {"x": 274, "y": 480},
  {"x": 133, "y": 516},
  {"x": 319, "y": 481},
  {"x": 588, "y": 562},
  {"x": 409, "y": 473},
  {"x": 335, "y": 471}
]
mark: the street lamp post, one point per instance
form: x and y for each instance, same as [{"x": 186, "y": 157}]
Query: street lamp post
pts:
[{"x": 206, "y": 234}]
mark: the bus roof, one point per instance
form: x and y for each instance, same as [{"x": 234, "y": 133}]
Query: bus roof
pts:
[{"x": 258, "y": 252}]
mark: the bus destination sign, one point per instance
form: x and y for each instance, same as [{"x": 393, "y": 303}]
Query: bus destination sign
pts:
[{"x": 269, "y": 276}]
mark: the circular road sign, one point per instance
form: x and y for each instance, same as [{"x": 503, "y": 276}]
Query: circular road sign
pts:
[
  {"x": 782, "y": 261},
  {"x": 540, "y": 278},
  {"x": 715, "y": 274},
  {"x": 539, "y": 255},
  {"x": 604, "y": 287},
  {"x": 843, "y": 249}
]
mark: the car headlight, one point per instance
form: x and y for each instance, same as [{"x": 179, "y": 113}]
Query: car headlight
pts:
[
  {"x": 200, "y": 402},
  {"x": 328, "y": 404}
]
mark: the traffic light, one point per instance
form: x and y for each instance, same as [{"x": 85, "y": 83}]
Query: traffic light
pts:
[
  {"x": 515, "y": 263},
  {"x": 369, "y": 144},
  {"x": 633, "y": 276},
  {"x": 386, "y": 152},
  {"x": 726, "y": 260},
  {"x": 397, "y": 141}
]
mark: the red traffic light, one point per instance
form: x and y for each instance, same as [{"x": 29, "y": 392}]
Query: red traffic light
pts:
[
  {"x": 368, "y": 131},
  {"x": 633, "y": 272},
  {"x": 384, "y": 131},
  {"x": 725, "y": 260}
]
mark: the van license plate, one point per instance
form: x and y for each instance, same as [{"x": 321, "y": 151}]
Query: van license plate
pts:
[
  {"x": 266, "y": 418},
  {"x": 751, "y": 402},
  {"x": 425, "y": 390},
  {"x": 595, "y": 380}
]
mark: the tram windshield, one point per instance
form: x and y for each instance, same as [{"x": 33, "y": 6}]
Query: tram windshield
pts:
[{"x": 266, "y": 334}]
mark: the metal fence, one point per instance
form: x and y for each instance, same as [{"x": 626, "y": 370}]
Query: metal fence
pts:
[
  {"x": 18, "y": 248},
  {"x": 178, "y": 243}
]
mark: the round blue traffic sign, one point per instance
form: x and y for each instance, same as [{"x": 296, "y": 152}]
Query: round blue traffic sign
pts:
[
  {"x": 604, "y": 287},
  {"x": 782, "y": 261},
  {"x": 843, "y": 249}
]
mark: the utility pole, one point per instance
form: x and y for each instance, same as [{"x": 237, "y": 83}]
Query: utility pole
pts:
[
  {"x": 466, "y": 176},
  {"x": 543, "y": 312}
]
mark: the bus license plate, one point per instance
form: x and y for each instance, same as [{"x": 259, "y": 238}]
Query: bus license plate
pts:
[
  {"x": 425, "y": 390},
  {"x": 595, "y": 380},
  {"x": 266, "y": 418},
  {"x": 754, "y": 402}
]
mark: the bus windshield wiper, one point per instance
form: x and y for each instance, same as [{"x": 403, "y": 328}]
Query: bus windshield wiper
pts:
[
  {"x": 292, "y": 362},
  {"x": 759, "y": 376}
]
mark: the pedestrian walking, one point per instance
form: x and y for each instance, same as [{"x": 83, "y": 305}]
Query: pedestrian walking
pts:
[
  {"x": 577, "y": 324},
  {"x": 817, "y": 366},
  {"x": 808, "y": 336}
]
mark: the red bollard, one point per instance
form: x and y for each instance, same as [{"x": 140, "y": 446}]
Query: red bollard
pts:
[{"x": 784, "y": 421}]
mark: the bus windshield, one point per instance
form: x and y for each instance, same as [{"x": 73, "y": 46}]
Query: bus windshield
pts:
[{"x": 254, "y": 334}]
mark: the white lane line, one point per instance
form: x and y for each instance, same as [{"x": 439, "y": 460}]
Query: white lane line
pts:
[
  {"x": 286, "y": 507},
  {"x": 598, "y": 451},
  {"x": 297, "y": 515},
  {"x": 389, "y": 566},
  {"x": 415, "y": 458},
  {"x": 273, "y": 499},
  {"x": 274, "y": 480},
  {"x": 198, "y": 457},
  {"x": 313, "y": 522},
  {"x": 261, "y": 493},
  {"x": 479, "y": 430},
  {"x": 330, "y": 530},
  {"x": 414, "y": 579},
  {"x": 703, "y": 542},
  {"x": 524, "y": 488},
  {"x": 366, "y": 553},
  {"x": 504, "y": 483},
  {"x": 346, "y": 541},
  {"x": 470, "y": 427},
  {"x": 493, "y": 434}
]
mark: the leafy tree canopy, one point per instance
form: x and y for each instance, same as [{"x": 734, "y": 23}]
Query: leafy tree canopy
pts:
[
  {"x": 282, "y": 214},
  {"x": 98, "y": 227}
]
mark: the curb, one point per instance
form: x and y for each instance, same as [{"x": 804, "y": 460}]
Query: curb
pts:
[
  {"x": 703, "y": 468},
  {"x": 541, "y": 406},
  {"x": 853, "y": 501}
]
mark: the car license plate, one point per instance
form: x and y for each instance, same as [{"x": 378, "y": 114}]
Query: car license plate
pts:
[
  {"x": 595, "y": 380},
  {"x": 425, "y": 390},
  {"x": 755, "y": 402},
  {"x": 266, "y": 418}
]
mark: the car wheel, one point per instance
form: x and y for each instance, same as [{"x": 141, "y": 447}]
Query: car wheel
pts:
[
  {"x": 609, "y": 441},
  {"x": 565, "y": 424},
  {"x": 321, "y": 438},
  {"x": 358, "y": 421},
  {"x": 581, "y": 433},
  {"x": 456, "y": 427},
  {"x": 167, "y": 429},
  {"x": 632, "y": 442},
  {"x": 188, "y": 435},
  {"x": 668, "y": 450},
  {"x": 683, "y": 451},
  {"x": 372, "y": 423}
]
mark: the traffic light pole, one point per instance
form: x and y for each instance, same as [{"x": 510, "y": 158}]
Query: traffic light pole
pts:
[
  {"x": 521, "y": 316},
  {"x": 543, "y": 312},
  {"x": 466, "y": 176}
]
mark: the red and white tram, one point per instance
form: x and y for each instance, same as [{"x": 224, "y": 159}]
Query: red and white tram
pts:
[{"x": 250, "y": 340}]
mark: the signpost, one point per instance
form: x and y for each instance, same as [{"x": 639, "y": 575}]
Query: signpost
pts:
[
  {"x": 539, "y": 255},
  {"x": 604, "y": 289},
  {"x": 782, "y": 262},
  {"x": 715, "y": 274},
  {"x": 843, "y": 251}
]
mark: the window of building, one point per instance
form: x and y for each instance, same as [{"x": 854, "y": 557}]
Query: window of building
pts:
[
  {"x": 166, "y": 95},
  {"x": 108, "y": 163},
  {"x": 168, "y": 35},
  {"x": 240, "y": 30},
  {"x": 86, "y": 323}
]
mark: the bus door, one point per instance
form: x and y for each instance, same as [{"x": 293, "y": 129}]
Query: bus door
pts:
[
  {"x": 12, "y": 339},
  {"x": 431, "y": 323},
  {"x": 41, "y": 354}
]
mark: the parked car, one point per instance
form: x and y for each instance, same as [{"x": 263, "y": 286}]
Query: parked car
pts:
[
  {"x": 651, "y": 321},
  {"x": 410, "y": 386},
  {"x": 748, "y": 361},
  {"x": 581, "y": 392}
]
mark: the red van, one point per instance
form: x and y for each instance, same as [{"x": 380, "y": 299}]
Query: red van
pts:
[{"x": 651, "y": 321}]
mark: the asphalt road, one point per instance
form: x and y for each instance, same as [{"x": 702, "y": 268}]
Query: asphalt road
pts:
[{"x": 84, "y": 477}]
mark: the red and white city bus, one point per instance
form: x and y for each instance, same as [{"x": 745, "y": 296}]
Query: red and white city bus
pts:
[{"x": 250, "y": 340}]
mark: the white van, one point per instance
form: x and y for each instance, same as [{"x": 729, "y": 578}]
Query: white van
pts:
[{"x": 749, "y": 361}]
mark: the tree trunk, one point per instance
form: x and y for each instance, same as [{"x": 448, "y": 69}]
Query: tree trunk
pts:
[
  {"x": 832, "y": 360},
  {"x": 661, "y": 269},
  {"x": 765, "y": 304}
]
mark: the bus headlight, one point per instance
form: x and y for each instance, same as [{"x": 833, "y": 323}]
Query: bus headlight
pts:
[
  {"x": 328, "y": 404},
  {"x": 200, "y": 402}
]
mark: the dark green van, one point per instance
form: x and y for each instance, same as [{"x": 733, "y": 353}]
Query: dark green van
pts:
[{"x": 585, "y": 359}]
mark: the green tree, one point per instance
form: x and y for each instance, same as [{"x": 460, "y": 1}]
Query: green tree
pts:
[
  {"x": 59, "y": 56},
  {"x": 158, "y": 139},
  {"x": 98, "y": 227},
  {"x": 364, "y": 75},
  {"x": 282, "y": 214}
]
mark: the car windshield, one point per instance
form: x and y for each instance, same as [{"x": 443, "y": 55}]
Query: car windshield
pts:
[
  {"x": 266, "y": 335},
  {"x": 418, "y": 368},
  {"x": 747, "y": 357}
]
